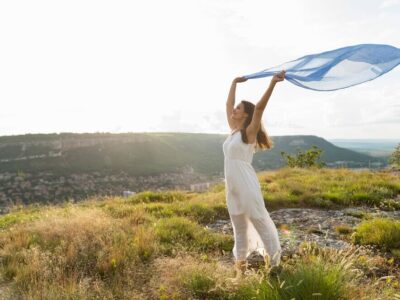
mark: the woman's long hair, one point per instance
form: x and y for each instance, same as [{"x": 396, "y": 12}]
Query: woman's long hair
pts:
[{"x": 263, "y": 140}]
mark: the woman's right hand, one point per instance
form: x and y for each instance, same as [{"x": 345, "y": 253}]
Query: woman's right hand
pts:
[
  {"x": 278, "y": 76},
  {"x": 240, "y": 79}
]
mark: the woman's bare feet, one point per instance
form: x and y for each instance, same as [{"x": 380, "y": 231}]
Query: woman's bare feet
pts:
[{"x": 240, "y": 270}]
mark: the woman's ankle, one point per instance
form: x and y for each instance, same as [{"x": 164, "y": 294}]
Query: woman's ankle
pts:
[{"x": 241, "y": 266}]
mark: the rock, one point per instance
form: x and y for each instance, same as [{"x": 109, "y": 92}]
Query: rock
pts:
[{"x": 297, "y": 225}]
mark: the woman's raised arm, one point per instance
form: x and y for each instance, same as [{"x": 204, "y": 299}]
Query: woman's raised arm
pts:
[
  {"x": 255, "y": 124},
  {"x": 230, "y": 102}
]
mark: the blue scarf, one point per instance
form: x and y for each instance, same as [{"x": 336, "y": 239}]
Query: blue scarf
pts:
[{"x": 338, "y": 69}]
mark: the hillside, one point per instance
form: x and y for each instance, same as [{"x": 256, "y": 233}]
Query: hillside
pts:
[
  {"x": 152, "y": 153},
  {"x": 178, "y": 245},
  {"x": 374, "y": 147}
]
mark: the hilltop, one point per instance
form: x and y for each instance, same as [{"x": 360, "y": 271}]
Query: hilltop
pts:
[
  {"x": 153, "y": 153},
  {"x": 177, "y": 244}
]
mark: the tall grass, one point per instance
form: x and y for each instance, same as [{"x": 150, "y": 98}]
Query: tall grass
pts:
[
  {"x": 381, "y": 232},
  {"x": 149, "y": 196},
  {"x": 329, "y": 188},
  {"x": 154, "y": 245},
  {"x": 100, "y": 250},
  {"x": 177, "y": 233},
  {"x": 317, "y": 273},
  {"x": 57, "y": 253}
]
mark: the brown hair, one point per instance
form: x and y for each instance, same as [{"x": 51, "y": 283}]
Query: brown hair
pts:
[{"x": 263, "y": 140}]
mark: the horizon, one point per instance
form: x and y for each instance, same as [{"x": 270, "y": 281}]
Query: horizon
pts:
[
  {"x": 167, "y": 66},
  {"x": 210, "y": 133}
]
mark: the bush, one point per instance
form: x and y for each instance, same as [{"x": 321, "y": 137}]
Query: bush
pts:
[
  {"x": 17, "y": 217},
  {"x": 343, "y": 229},
  {"x": 181, "y": 233},
  {"x": 382, "y": 232},
  {"x": 316, "y": 280},
  {"x": 319, "y": 273},
  {"x": 200, "y": 284},
  {"x": 304, "y": 159},
  {"x": 395, "y": 157},
  {"x": 167, "y": 197}
]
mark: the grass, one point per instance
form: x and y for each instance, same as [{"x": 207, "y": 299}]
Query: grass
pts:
[
  {"x": 105, "y": 244},
  {"x": 316, "y": 273},
  {"x": 154, "y": 246},
  {"x": 357, "y": 214},
  {"x": 382, "y": 232},
  {"x": 19, "y": 215},
  {"x": 329, "y": 188},
  {"x": 177, "y": 233},
  {"x": 343, "y": 229},
  {"x": 149, "y": 196}
]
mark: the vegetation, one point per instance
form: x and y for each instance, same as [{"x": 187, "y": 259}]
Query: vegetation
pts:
[
  {"x": 328, "y": 188},
  {"x": 343, "y": 229},
  {"x": 384, "y": 233},
  {"x": 305, "y": 159},
  {"x": 82, "y": 251},
  {"x": 395, "y": 157},
  {"x": 155, "y": 245},
  {"x": 151, "y": 153},
  {"x": 87, "y": 251}
]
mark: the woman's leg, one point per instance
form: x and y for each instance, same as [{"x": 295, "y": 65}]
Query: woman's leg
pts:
[
  {"x": 269, "y": 235},
  {"x": 239, "y": 223}
]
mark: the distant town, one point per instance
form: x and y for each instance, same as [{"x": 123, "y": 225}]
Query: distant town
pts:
[{"x": 46, "y": 187}]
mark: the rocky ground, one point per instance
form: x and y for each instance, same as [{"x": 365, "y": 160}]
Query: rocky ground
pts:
[{"x": 328, "y": 228}]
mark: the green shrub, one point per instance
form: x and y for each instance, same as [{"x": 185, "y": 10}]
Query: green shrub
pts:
[
  {"x": 328, "y": 188},
  {"x": 335, "y": 197},
  {"x": 314, "y": 280},
  {"x": 159, "y": 210},
  {"x": 395, "y": 157},
  {"x": 356, "y": 213},
  {"x": 17, "y": 217},
  {"x": 343, "y": 229},
  {"x": 382, "y": 232},
  {"x": 316, "y": 275},
  {"x": 200, "y": 284},
  {"x": 180, "y": 232},
  {"x": 136, "y": 215},
  {"x": 148, "y": 196},
  {"x": 202, "y": 212},
  {"x": 306, "y": 159},
  {"x": 257, "y": 290},
  {"x": 361, "y": 197}
]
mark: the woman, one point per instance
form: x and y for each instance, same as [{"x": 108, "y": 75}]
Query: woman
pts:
[{"x": 252, "y": 226}]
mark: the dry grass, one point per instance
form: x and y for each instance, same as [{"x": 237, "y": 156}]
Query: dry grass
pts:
[
  {"x": 155, "y": 246},
  {"x": 58, "y": 253}
]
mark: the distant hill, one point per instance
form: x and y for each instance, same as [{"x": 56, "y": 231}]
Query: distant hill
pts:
[
  {"x": 153, "y": 153},
  {"x": 373, "y": 147}
]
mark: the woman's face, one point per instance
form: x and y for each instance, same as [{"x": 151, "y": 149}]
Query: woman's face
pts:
[{"x": 238, "y": 112}]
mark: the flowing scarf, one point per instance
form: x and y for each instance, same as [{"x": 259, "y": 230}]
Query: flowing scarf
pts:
[{"x": 337, "y": 69}]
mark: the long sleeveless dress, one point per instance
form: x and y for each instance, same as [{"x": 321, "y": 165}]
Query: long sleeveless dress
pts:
[{"x": 244, "y": 197}]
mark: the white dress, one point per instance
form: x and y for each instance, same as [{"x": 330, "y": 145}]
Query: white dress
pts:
[{"x": 244, "y": 197}]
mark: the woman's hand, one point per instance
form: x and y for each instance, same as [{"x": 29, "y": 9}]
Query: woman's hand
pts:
[
  {"x": 240, "y": 79},
  {"x": 278, "y": 77}
]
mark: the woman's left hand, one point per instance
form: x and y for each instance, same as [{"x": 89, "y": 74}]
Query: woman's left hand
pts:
[{"x": 240, "y": 79}]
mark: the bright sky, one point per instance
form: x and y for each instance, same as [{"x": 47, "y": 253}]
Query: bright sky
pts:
[{"x": 154, "y": 65}]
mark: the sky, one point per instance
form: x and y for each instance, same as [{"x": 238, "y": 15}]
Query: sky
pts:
[{"x": 166, "y": 66}]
